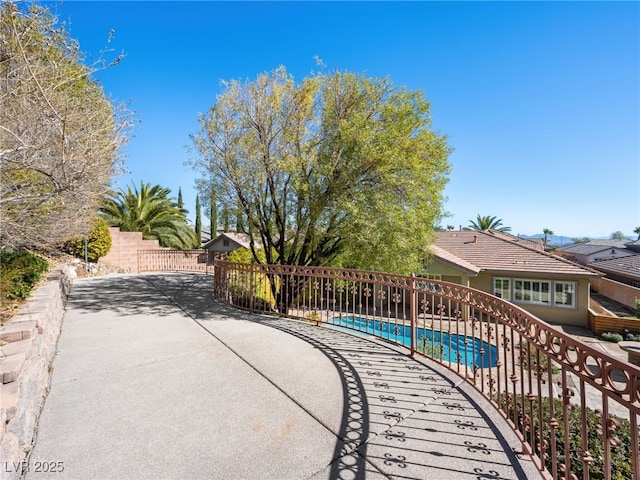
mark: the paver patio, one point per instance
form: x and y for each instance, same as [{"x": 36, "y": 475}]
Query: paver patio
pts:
[{"x": 153, "y": 379}]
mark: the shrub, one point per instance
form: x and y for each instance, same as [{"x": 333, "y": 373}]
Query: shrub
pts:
[
  {"x": 98, "y": 242},
  {"x": 433, "y": 350},
  {"x": 241, "y": 296},
  {"x": 20, "y": 270},
  {"x": 244, "y": 255},
  {"x": 637, "y": 302},
  {"x": 630, "y": 336},
  {"x": 529, "y": 360},
  {"x": 612, "y": 337},
  {"x": 621, "y": 467}
]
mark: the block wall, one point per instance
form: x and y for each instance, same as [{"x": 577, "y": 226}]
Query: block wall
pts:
[
  {"x": 124, "y": 249},
  {"x": 620, "y": 292}
]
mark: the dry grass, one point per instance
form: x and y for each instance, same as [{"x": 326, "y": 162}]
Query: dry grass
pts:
[{"x": 8, "y": 309}]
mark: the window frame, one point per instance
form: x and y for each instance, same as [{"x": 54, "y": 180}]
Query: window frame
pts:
[
  {"x": 532, "y": 292},
  {"x": 508, "y": 288},
  {"x": 535, "y": 292},
  {"x": 573, "y": 294}
]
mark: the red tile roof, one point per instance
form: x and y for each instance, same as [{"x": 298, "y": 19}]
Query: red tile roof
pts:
[{"x": 479, "y": 250}]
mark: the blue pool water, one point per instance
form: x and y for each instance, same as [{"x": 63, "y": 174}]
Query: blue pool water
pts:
[{"x": 455, "y": 348}]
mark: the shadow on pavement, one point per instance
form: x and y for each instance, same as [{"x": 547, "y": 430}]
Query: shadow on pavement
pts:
[
  {"x": 404, "y": 417},
  {"x": 129, "y": 294},
  {"x": 400, "y": 417}
]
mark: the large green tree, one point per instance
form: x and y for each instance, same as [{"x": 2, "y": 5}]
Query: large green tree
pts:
[
  {"x": 153, "y": 212},
  {"x": 617, "y": 235},
  {"x": 486, "y": 222},
  {"x": 338, "y": 169},
  {"x": 59, "y": 133}
]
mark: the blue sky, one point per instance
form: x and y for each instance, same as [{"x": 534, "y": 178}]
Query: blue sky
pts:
[{"x": 540, "y": 100}]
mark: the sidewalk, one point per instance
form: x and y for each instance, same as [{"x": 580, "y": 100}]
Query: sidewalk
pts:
[{"x": 155, "y": 380}]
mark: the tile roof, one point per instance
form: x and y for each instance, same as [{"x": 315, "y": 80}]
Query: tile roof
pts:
[
  {"x": 589, "y": 248},
  {"x": 535, "y": 243},
  {"x": 240, "y": 238},
  {"x": 457, "y": 262},
  {"x": 496, "y": 252},
  {"x": 627, "y": 266},
  {"x": 609, "y": 242}
]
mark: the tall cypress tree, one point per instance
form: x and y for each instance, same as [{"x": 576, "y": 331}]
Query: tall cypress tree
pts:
[
  {"x": 213, "y": 215},
  {"x": 225, "y": 218},
  {"x": 198, "y": 223},
  {"x": 180, "y": 202}
]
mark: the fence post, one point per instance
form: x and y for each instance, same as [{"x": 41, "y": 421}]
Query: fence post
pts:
[
  {"x": 252, "y": 271},
  {"x": 412, "y": 313}
]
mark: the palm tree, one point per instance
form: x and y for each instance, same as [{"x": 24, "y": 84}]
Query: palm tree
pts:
[
  {"x": 637, "y": 232},
  {"x": 151, "y": 211},
  {"x": 487, "y": 223},
  {"x": 546, "y": 232}
]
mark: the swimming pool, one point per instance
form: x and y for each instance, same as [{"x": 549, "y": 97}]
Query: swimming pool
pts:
[{"x": 454, "y": 348}]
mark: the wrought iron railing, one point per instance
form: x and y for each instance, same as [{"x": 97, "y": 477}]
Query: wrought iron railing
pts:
[
  {"x": 174, "y": 261},
  {"x": 574, "y": 407}
]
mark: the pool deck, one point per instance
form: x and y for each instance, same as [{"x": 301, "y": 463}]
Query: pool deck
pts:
[{"x": 153, "y": 379}]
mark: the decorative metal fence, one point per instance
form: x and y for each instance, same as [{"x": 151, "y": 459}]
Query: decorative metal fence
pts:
[
  {"x": 174, "y": 261},
  {"x": 575, "y": 408}
]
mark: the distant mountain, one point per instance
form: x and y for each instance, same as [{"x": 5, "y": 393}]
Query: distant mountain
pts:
[
  {"x": 560, "y": 240},
  {"x": 551, "y": 239}
]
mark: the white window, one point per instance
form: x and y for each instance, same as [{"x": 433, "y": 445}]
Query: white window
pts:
[
  {"x": 565, "y": 294},
  {"x": 539, "y": 292},
  {"x": 502, "y": 288},
  {"x": 532, "y": 291}
]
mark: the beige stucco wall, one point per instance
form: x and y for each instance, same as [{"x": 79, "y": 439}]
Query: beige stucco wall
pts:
[{"x": 449, "y": 274}]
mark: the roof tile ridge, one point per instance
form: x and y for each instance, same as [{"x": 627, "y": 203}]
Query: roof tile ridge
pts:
[
  {"x": 460, "y": 260},
  {"x": 541, "y": 252}
]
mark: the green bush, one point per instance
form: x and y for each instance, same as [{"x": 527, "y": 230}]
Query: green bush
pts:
[
  {"x": 612, "y": 337},
  {"x": 621, "y": 466},
  {"x": 241, "y": 296},
  {"x": 98, "y": 242},
  {"x": 630, "y": 336},
  {"x": 20, "y": 270},
  {"x": 530, "y": 362},
  {"x": 432, "y": 350},
  {"x": 244, "y": 255}
]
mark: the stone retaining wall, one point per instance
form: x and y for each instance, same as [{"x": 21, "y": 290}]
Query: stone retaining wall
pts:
[{"x": 27, "y": 348}]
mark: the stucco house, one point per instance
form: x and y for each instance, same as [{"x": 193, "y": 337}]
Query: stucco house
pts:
[
  {"x": 552, "y": 288},
  {"x": 226, "y": 242},
  {"x": 624, "y": 270},
  {"x": 592, "y": 251}
]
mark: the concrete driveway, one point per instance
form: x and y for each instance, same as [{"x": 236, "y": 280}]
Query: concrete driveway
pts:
[{"x": 154, "y": 380}]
